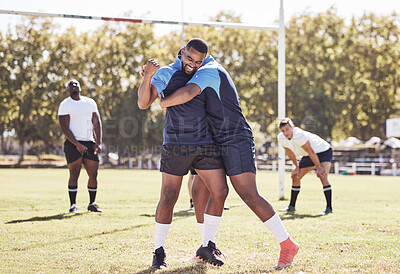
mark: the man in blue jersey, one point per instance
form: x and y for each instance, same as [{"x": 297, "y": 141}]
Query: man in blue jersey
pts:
[
  {"x": 187, "y": 144},
  {"x": 234, "y": 136}
]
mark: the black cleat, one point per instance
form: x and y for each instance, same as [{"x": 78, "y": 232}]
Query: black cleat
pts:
[
  {"x": 93, "y": 207},
  {"x": 327, "y": 211},
  {"x": 210, "y": 254},
  {"x": 288, "y": 209},
  {"x": 159, "y": 259},
  {"x": 73, "y": 209}
]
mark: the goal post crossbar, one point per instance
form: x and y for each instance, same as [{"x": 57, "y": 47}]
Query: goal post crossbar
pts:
[{"x": 142, "y": 20}]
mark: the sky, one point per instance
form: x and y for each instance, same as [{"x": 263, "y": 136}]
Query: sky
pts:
[{"x": 254, "y": 12}]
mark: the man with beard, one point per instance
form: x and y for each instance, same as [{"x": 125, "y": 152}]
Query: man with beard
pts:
[{"x": 79, "y": 119}]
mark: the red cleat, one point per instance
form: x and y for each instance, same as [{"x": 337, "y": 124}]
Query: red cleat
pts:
[{"x": 289, "y": 249}]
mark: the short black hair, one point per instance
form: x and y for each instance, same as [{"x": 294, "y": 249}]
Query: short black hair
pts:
[
  {"x": 198, "y": 44},
  {"x": 286, "y": 121}
]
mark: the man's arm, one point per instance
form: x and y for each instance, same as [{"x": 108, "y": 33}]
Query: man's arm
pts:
[
  {"x": 181, "y": 96},
  {"x": 292, "y": 156},
  {"x": 98, "y": 134},
  {"x": 314, "y": 158},
  {"x": 147, "y": 93},
  {"x": 64, "y": 124}
]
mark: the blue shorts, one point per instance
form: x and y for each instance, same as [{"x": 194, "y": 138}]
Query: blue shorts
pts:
[
  {"x": 325, "y": 156},
  {"x": 238, "y": 155}
]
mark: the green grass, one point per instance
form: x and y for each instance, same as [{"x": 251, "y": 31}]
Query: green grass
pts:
[{"x": 37, "y": 235}]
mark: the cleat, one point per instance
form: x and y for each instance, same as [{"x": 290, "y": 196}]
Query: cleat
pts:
[
  {"x": 289, "y": 249},
  {"x": 93, "y": 207},
  {"x": 288, "y": 209},
  {"x": 327, "y": 211},
  {"x": 193, "y": 260},
  {"x": 73, "y": 209},
  {"x": 210, "y": 254},
  {"x": 159, "y": 259},
  {"x": 226, "y": 207}
]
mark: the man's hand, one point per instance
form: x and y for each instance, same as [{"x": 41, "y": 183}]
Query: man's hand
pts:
[
  {"x": 295, "y": 173},
  {"x": 81, "y": 148},
  {"x": 149, "y": 68},
  {"x": 97, "y": 149},
  {"x": 321, "y": 173}
]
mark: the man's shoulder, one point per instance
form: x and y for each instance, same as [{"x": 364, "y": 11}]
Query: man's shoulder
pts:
[
  {"x": 281, "y": 136},
  {"x": 166, "y": 71},
  {"x": 65, "y": 101},
  {"x": 297, "y": 132}
]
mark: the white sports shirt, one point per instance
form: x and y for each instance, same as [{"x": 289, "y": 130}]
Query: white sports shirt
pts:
[
  {"x": 299, "y": 138},
  {"x": 80, "y": 114}
]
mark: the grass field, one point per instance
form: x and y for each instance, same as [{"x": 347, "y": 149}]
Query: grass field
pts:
[{"x": 37, "y": 235}]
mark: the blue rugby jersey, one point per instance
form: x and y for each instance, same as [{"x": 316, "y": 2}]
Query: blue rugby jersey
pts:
[
  {"x": 185, "y": 124},
  {"x": 223, "y": 111}
]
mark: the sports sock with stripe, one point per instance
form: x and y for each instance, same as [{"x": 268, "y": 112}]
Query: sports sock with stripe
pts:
[{"x": 328, "y": 195}]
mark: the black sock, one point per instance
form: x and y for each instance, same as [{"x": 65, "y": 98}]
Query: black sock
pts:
[
  {"x": 72, "y": 190},
  {"x": 293, "y": 197},
  {"x": 328, "y": 195},
  {"x": 191, "y": 202},
  {"x": 92, "y": 194}
]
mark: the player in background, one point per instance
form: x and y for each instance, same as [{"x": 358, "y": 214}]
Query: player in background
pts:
[
  {"x": 316, "y": 152},
  {"x": 79, "y": 120}
]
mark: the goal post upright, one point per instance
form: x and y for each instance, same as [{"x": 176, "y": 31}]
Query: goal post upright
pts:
[{"x": 281, "y": 97}]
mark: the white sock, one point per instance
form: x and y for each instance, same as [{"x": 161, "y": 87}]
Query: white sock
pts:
[
  {"x": 201, "y": 228},
  {"x": 211, "y": 224},
  {"x": 274, "y": 224},
  {"x": 161, "y": 232}
]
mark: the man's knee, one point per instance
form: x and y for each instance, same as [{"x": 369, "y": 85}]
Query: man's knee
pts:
[{"x": 169, "y": 195}]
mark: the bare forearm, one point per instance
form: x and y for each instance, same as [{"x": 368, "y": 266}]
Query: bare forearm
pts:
[
  {"x": 293, "y": 158},
  {"x": 144, "y": 93},
  {"x": 98, "y": 134},
  {"x": 70, "y": 136},
  {"x": 180, "y": 96},
  {"x": 314, "y": 158}
]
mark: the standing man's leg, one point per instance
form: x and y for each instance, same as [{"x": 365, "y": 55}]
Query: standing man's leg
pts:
[
  {"x": 296, "y": 188},
  {"x": 74, "y": 171},
  {"x": 245, "y": 185},
  {"x": 327, "y": 188},
  {"x": 215, "y": 181},
  {"x": 91, "y": 169},
  {"x": 171, "y": 185},
  {"x": 190, "y": 184}
]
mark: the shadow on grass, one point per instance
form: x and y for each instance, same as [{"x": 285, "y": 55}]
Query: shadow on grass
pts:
[
  {"x": 182, "y": 214},
  {"x": 292, "y": 216},
  {"x": 60, "y": 216},
  {"x": 193, "y": 268}
]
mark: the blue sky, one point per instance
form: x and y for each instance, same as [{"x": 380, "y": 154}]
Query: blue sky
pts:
[{"x": 259, "y": 12}]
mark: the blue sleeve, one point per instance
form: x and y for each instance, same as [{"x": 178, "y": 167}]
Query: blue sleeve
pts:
[
  {"x": 160, "y": 80},
  {"x": 206, "y": 77}
]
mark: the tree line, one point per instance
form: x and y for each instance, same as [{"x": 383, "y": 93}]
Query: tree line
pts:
[{"x": 342, "y": 78}]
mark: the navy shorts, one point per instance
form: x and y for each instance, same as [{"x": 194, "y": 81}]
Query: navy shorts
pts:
[
  {"x": 72, "y": 154},
  {"x": 325, "y": 156},
  {"x": 238, "y": 155},
  {"x": 178, "y": 160}
]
